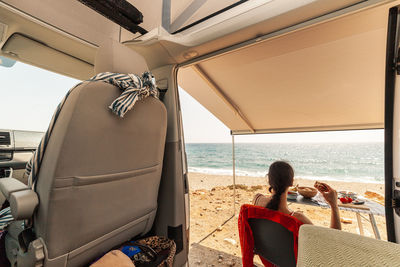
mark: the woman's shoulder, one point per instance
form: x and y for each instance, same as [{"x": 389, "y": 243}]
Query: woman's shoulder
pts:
[
  {"x": 301, "y": 217},
  {"x": 260, "y": 200}
]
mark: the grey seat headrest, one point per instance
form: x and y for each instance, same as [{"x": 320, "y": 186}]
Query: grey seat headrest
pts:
[{"x": 116, "y": 57}]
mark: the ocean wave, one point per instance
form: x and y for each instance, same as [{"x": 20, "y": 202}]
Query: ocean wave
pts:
[
  {"x": 222, "y": 171},
  {"x": 339, "y": 162}
]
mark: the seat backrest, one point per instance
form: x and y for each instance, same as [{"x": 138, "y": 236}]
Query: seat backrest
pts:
[
  {"x": 271, "y": 234},
  {"x": 273, "y": 242},
  {"x": 99, "y": 178}
]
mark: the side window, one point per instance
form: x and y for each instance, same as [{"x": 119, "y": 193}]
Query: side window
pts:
[{"x": 29, "y": 96}]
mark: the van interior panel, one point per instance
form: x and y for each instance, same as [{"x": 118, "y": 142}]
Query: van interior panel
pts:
[
  {"x": 85, "y": 28},
  {"x": 31, "y": 51}
]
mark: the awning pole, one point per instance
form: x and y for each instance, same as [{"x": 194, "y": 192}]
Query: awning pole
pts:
[{"x": 234, "y": 175}]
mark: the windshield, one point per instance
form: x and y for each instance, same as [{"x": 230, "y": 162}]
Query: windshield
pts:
[{"x": 29, "y": 96}]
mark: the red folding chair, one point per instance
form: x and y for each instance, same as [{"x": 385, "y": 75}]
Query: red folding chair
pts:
[{"x": 270, "y": 234}]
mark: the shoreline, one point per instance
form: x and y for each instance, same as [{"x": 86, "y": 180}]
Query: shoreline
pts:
[
  {"x": 319, "y": 178},
  {"x": 209, "y": 181}
]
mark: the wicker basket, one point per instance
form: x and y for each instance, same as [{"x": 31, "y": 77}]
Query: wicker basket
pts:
[{"x": 307, "y": 192}]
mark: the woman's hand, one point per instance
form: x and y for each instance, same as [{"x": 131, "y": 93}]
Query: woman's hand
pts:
[{"x": 329, "y": 194}]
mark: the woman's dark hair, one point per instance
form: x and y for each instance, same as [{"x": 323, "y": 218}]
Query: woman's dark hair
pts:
[{"x": 280, "y": 177}]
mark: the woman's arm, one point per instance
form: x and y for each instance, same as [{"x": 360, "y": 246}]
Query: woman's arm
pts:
[
  {"x": 330, "y": 196},
  {"x": 335, "y": 218}
]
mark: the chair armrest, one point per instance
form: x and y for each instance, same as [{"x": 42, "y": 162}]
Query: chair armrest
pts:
[
  {"x": 23, "y": 200},
  {"x": 23, "y": 204},
  {"x": 321, "y": 246},
  {"x": 10, "y": 185}
]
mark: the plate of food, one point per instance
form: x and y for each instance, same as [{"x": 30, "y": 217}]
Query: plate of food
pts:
[
  {"x": 350, "y": 194},
  {"x": 346, "y": 200},
  {"x": 358, "y": 202},
  {"x": 292, "y": 194}
]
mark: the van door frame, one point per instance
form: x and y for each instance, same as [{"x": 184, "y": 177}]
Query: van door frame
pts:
[{"x": 390, "y": 84}]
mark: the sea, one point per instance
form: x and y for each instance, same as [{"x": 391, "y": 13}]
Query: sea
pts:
[{"x": 350, "y": 162}]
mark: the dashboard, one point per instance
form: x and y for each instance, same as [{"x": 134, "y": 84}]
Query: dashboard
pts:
[{"x": 16, "y": 149}]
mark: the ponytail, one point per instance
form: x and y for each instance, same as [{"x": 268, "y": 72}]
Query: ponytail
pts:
[
  {"x": 273, "y": 204},
  {"x": 280, "y": 177}
]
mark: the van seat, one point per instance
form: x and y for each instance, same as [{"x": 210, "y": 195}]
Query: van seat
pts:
[{"x": 99, "y": 178}]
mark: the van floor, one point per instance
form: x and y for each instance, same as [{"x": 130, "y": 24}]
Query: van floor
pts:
[{"x": 200, "y": 255}]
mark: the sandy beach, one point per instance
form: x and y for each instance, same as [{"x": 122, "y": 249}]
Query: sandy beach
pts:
[{"x": 211, "y": 203}]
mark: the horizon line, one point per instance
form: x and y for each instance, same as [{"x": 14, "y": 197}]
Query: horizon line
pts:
[{"x": 290, "y": 142}]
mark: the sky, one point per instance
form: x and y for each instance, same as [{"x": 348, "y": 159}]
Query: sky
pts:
[{"x": 29, "y": 96}]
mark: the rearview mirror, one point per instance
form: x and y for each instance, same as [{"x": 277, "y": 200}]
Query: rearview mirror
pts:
[{"x": 7, "y": 62}]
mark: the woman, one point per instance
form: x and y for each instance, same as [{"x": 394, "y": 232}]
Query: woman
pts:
[{"x": 280, "y": 178}]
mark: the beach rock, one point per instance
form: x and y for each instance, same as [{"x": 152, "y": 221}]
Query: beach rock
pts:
[
  {"x": 198, "y": 262},
  {"x": 230, "y": 241},
  {"x": 219, "y": 228},
  {"x": 218, "y": 208}
]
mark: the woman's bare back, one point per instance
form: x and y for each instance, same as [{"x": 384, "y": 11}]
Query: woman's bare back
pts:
[{"x": 262, "y": 201}]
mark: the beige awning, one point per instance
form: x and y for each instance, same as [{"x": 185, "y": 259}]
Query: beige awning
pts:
[{"x": 326, "y": 77}]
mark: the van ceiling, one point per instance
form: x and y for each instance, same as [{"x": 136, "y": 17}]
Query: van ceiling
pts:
[
  {"x": 325, "y": 77},
  {"x": 53, "y": 22}
]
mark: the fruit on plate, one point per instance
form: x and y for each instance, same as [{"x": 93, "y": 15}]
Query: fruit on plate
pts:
[{"x": 346, "y": 200}]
